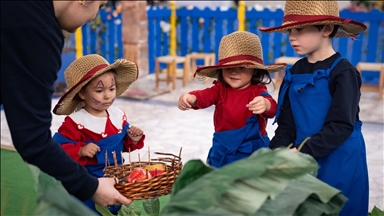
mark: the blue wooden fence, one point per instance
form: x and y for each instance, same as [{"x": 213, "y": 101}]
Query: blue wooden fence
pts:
[
  {"x": 201, "y": 30},
  {"x": 105, "y": 39}
]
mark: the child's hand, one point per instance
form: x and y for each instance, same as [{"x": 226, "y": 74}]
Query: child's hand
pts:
[
  {"x": 259, "y": 105},
  {"x": 186, "y": 101},
  {"x": 293, "y": 150},
  {"x": 89, "y": 150},
  {"x": 135, "y": 133}
]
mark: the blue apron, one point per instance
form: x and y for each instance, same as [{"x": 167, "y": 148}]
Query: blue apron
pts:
[
  {"x": 108, "y": 144},
  {"x": 345, "y": 167},
  {"x": 232, "y": 145}
]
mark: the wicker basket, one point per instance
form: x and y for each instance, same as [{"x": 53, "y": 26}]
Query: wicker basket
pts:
[{"x": 156, "y": 186}]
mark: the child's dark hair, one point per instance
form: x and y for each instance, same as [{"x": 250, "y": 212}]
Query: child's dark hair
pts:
[
  {"x": 335, "y": 28},
  {"x": 259, "y": 77}
]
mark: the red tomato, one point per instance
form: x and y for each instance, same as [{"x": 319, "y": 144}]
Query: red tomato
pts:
[
  {"x": 156, "y": 172},
  {"x": 138, "y": 175}
]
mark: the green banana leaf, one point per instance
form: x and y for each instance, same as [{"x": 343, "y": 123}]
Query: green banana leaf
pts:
[
  {"x": 125, "y": 210},
  {"x": 53, "y": 198},
  {"x": 376, "y": 212},
  {"x": 150, "y": 206},
  {"x": 269, "y": 182}
]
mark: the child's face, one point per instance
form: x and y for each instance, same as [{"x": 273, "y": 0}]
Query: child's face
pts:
[
  {"x": 238, "y": 77},
  {"x": 99, "y": 94},
  {"x": 307, "y": 40}
]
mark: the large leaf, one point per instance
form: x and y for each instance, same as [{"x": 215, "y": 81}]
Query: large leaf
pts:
[
  {"x": 103, "y": 210},
  {"x": 268, "y": 182},
  {"x": 305, "y": 195},
  {"x": 53, "y": 198},
  {"x": 192, "y": 170},
  {"x": 376, "y": 212},
  {"x": 125, "y": 210},
  {"x": 152, "y": 206}
]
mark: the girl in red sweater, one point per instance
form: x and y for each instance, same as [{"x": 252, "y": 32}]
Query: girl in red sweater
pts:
[
  {"x": 94, "y": 126},
  {"x": 242, "y": 103}
]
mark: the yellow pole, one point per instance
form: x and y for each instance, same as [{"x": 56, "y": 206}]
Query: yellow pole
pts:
[
  {"x": 79, "y": 43},
  {"x": 241, "y": 15},
  {"x": 172, "y": 5}
]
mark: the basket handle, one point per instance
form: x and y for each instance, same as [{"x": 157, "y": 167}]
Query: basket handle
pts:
[
  {"x": 114, "y": 159},
  {"x": 169, "y": 154}
]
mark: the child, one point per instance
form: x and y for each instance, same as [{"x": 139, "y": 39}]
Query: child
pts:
[
  {"x": 319, "y": 98},
  {"x": 242, "y": 103},
  {"x": 93, "y": 125}
]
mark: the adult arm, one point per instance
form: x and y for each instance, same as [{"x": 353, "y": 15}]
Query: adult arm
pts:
[{"x": 31, "y": 46}]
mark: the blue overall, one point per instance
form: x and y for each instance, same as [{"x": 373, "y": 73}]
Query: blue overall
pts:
[
  {"x": 345, "y": 167},
  {"x": 231, "y": 145},
  {"x": 108, "y": 144}
]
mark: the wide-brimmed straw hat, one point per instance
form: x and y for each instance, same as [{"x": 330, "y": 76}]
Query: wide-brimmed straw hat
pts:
[
  {"x": 83, "y": 70},
  {"x": 239, "y": 49},
  {"x": 301, "y": 13}
]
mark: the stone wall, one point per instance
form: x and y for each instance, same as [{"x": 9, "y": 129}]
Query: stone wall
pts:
[{"x": 135, "y": 33}]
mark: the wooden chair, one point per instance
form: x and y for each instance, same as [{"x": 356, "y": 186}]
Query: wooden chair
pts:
[
  {"x": 378, "y": 67},
  {"x": 209, "y": 60},
  {"x": 171, "y": 69},
  {"x": 287, "y": 60}
]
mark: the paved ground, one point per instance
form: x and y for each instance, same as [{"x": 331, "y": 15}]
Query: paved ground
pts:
[{"x": 167, "y": 128}]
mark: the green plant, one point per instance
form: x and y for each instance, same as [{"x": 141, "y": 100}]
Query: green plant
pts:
[
  {"x": 269, "y": 182},
  {"x": 150, "y": 206},
  {"x": 126, "y": 210},
  {"x": 53, "y": 198},
  {"x": 376, "y": 212}
]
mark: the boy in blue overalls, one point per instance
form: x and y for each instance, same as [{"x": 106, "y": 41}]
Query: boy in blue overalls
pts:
[{"x": 319, "y": 98}]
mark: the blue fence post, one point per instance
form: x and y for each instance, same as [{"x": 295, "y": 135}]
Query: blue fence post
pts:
[
  {"x": 373, "y": 37},
  {"x": 151, "y": 39},
  {"x": 195, "y": 31},
  {"x": 207, "y": 35},
  {"x": 277, "y": 37},
  {"x": 85, "y": 33},
  {"x": 158, "y": 42},
  {"x": 111, "y": 39},
  {"x": 119, "y": 37},
  {"x": 158, "y": 37},
  {"x": 182, "y": 13},
  {"x": 103, "y": 34},
  {"x": 218, "y": 32},
  {"x": 92, "y": 41},
  {"x": 166, "y": 42}
]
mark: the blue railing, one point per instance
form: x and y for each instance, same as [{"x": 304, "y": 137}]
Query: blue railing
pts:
[
  {"x": 201, "y": 30},
  {"x": 106, "y": 38}
]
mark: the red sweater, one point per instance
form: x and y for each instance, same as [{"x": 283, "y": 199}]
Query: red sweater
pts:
[
  {"x": 231, "y": 111},
  {"x": 82, "y": 132}
]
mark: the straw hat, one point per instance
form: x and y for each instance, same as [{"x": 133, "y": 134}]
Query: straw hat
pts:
[
  {"x": 239, "y": 49},
  {"x": 83, "y": 70},
  {"x": 301, "y": 13}
]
